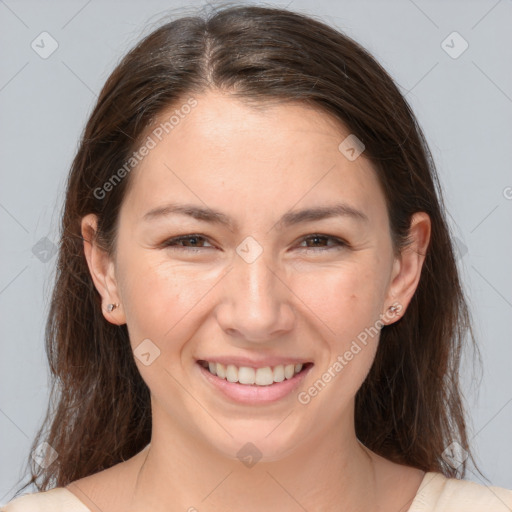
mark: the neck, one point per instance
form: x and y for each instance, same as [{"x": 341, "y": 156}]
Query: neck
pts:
[{"x": 331, "y": 471}]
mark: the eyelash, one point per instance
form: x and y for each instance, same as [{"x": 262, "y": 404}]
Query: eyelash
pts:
[{"x": 171, "y": 243}]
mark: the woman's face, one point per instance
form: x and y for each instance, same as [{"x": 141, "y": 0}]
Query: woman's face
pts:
[{"x": 285, "y": 257}]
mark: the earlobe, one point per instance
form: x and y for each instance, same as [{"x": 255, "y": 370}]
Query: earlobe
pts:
[
  {"x": 408, "y": 266},
  {"x": 101, "y": 268}
]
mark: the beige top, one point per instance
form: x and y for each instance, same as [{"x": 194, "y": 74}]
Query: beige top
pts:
[{"x": 435, "y": 494}]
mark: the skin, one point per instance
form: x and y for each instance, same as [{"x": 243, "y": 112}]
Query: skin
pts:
[{"x": 254, "y": 165}]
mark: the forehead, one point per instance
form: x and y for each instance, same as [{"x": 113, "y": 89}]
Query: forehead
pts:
[{"x": 272, "y": 155}]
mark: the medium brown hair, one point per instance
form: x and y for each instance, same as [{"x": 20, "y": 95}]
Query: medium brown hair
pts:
[{"x": 409, "y": 408}]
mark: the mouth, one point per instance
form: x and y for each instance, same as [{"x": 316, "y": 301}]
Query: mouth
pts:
[
  {"x": 253, "y": 386},
  {"x": 250, "y": 376}
]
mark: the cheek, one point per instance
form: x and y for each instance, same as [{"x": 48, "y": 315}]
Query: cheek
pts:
[
  {"x": 345, "y": 298},
  {"x": 345, "y": 306},
  {"x": 164, "y": 306},
  {"x": 159, "y": 297}
]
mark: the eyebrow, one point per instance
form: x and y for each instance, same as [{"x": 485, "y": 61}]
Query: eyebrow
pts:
[{"x": 288, "y": 219}]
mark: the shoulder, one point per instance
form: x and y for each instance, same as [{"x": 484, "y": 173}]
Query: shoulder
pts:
[
  {"x": 55, "y": 500},
  {"x": 437, "y": 493}
]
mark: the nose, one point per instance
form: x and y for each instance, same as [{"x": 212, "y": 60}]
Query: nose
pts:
[{"x": 256, "y": 305}]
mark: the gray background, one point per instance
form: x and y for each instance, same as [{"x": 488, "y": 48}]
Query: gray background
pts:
[{"x": 464, "y": 105}]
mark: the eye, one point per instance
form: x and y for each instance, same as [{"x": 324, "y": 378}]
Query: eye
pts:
[
  {"x": 321, "y": 242},
  {"x": 195, "y": 242},
  {"x": 181, "y": 242}
]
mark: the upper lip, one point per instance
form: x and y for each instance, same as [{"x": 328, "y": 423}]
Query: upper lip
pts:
[{"x": 254, "y": 363}]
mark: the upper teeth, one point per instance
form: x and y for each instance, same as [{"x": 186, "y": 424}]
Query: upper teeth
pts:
[{"x": 247, "y": 375}]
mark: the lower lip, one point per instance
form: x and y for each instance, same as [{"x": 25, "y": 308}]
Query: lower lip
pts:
[{"x": 253, "y": 394}]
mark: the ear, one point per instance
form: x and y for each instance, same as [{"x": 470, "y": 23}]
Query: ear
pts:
[
  {"x": 102, "y": 271},
  {"x": 407, "y": 267}
]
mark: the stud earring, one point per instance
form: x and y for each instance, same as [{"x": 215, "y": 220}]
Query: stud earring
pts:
[
  {"x": 111, "y": 307},
  {"x": 394, "y": 309}
]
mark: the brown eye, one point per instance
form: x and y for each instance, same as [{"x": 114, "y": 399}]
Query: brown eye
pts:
[
  {"x": 322, "y": 242},
  {"x": 189, "y": 242}
]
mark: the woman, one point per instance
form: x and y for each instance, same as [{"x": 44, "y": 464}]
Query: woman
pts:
[{"x": 257, "y": 303}]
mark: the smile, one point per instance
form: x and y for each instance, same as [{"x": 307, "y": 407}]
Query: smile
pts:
[
  {"x": 253, "y": 386},
  {"x": 264, "y": 376}
]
